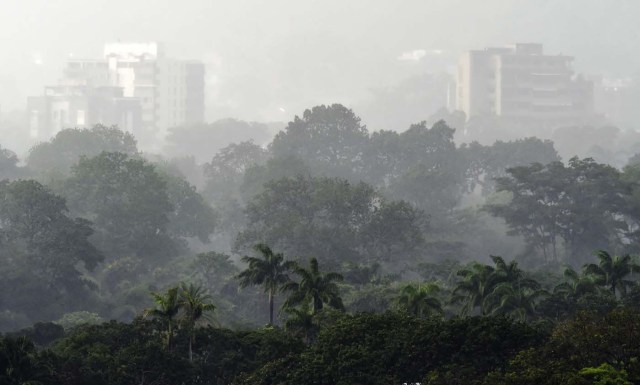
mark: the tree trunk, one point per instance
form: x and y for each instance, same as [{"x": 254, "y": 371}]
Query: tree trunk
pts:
[
  {"x": 190, "y": 349},
  {"x": 271, "y": 307}
]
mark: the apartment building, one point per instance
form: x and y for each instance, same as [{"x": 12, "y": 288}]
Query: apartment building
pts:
[
  {"x": 134, "y": 86},
  {"x": 521, "y": 82}
]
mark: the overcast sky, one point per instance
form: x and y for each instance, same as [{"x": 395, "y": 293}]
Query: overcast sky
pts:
[{"x": 267, "y": 56}]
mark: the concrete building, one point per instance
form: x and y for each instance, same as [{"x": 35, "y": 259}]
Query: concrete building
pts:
[
  {"x": 66, "y": 106},
  {"x": 521, "y": 82},
  {"x": 134, "y": 86}
]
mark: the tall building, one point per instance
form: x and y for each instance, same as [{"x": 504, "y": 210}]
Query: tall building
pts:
[
  {"x": 523, "y": 83},
  {"x": 134, "y": 86}
]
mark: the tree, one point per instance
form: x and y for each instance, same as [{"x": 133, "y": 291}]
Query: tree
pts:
[
  {"x": 611, "y": 271},
  {"x": 486, "y": 163},
  {"x": 195, "y": 306},
  {"x": 315, "y": 288},
  {"x": 9, "y": 164},
  {"x": 43, "y": 252},
  {"x": 225, "y": 172},
  {"x": 514, "y": 292},
  {"x": 270, "y": 271},
  {"x": 420, "y": 165},
  {"x": 478, "y": 281},
  {"x": 333, "y": 219},
  {"x": 127, "y": 200},
  {"x": 65, "y": 149},
  {"x": 330, "y": 138},
  {"x": 518, "y": 301},
  {"x": 168, "y": 306},
  {"x": 577, "y": 285},
  {"x": 204, "y": 140},
  {"x": 191, "y": 216},
  {"x": 502, "y": 288},
  {"x": 606, "y": 374},
  {"x": 512, "y": 274},
  {"x": 419, "y": 300},
  {"x": 580, "y": 206},
  {"x": 21, "y": 364},
  {"x": 301, "y": 321}
]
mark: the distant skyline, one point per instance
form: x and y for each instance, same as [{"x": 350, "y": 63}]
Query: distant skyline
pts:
[{"x": 270, "y": 60}]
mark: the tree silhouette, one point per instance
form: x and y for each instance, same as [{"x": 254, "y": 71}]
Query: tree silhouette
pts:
[
  {"x": 419, "y": 300},
  {"x": 167, "y": 308},
  {"x": 195, "y": 306},
  {"x": 270, "y": 271},
  {"x": 315, "y": 287},
  {"x": 611, "y": 271}
]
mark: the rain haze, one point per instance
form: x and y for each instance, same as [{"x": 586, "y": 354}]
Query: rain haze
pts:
[
  {"x": 261, "y": 56},
  {"x": 319, "y": 192}
]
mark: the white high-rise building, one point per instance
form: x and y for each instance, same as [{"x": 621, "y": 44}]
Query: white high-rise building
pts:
[{"x": 151, "y": 93}]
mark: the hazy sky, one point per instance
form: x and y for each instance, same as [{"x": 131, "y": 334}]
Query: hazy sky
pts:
[{"x": 265, "y": 56}]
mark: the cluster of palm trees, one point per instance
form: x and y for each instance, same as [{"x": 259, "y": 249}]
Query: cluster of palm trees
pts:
[
  {"x": 611, "y": 275},
  {"x": 307, "y": 295},
  {"x": 500, "y": 289},
  {"x": 184, "y": 306},
  {"x": 504, "y": 288}
]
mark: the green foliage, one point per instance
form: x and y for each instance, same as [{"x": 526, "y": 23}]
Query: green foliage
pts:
[
  {"x": 203, "y": 140},
  {"x": 127, "y": 200},
  {"x": 500, "y": 289},
  {"x": 191, "y": 215},
  {"x": 428, "y": 170},
  {"x": 43, "y": 252},
  {"x": 611, "y": 271},
  {"x": 606, "y": 374},
  {"x": 486, "y": 163},
  {"x": 69, "y": 145},
  {"x": 41, "y": 333},
  {"x": 419, "y": 300},
  {"x": 332, "y": 219},
  {"x": 580, "y": 207},
  {"x": 21, "y": 364},
  {"x": 589, "y": 348},
  {"x": 167, "y": 307},
  {"x": 77, "y": 318},
  {"x": 9, "y": 168},
  {"x": 116, "y": 353},
  {"x": 396, "y": 348},
  {"x": 270, "y": 271},
  {"x": 330, "y": 137},
  {"x": 315, "y": 288},
  {"x": 225, "y": 172}
]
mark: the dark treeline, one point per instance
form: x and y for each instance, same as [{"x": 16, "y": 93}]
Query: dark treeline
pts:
[{"x": 372, "y": 256}]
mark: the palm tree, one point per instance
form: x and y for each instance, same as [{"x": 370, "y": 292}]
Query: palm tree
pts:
[
  {"x": 167, "y": 308},
  {"x": 611, "y": 271},
  {"x": 270, "y": 271},
  {"x": 195, "y": 306},
  {"x": 314, "y": 287},
  {"x": 507, "y": 298},
  {"x": 477, "y": 283},
  {"x": 576, "y": 285},
  {"x": 511, "y": 273},
  {"x": 22, "y": 364},
  {"x": 301, "y": 322},
  {"x": 419, "y": 301}
]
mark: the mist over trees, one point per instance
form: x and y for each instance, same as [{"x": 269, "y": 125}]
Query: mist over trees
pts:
[{"x": 501, "y": 245}]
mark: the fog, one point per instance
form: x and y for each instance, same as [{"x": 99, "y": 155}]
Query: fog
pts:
[
  {"x": 269, "y": 60},
  {"x": 296, "y": 192}
]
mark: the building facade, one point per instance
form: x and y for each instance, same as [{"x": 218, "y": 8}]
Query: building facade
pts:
[
  {"x": 134, "y": 86},
  {"x": 521, "y": 82}
]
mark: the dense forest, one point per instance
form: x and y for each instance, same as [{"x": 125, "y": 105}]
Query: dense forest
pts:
[{"x": 333, "y": 255}]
